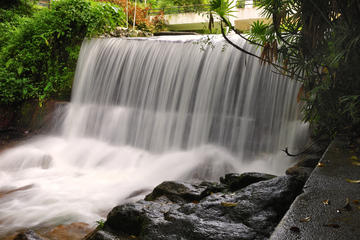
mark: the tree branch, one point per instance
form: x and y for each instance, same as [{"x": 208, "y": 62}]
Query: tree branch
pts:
[
  {"x": 289, "y": 154},
  {"x": 247, "y": 52}
]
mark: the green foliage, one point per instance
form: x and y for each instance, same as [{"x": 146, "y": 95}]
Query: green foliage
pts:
[
  {"x": 224, "y": 8},
  {"x": 261, "y": 32},
  {"x": 351, "y": 105},
  {"x": 100, "y": 224},
  {"x": 318, "y": 44},
  {"x": 10, "y": 14},
  {"x": 39, "y": 53}
]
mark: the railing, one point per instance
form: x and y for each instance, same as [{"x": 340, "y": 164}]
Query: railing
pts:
[
  {"x": 180, "y": 9},
  {"x": 187, "y": 9}
]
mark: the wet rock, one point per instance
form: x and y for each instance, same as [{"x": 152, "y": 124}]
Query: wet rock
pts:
[
  {"x": 125, "y": 32},
  {"x": 28, "y": 235},
  {"x": 102, "y": 235},
  {"x": 274, "y": 195},
  {"x": 119, "y": 32},
  {"x": 249, "y": 213},
  {"x": 303, "y": 169},
  {"x": 73, "y": 231},
  {"x": 132, "y": 217},
  {"x": 213, "y": 187},
  {"x": 191, "y": 227},
  {"x": 263, "y": 222},
  {"x": 308, "y": 161},
  {"x": 22, "y": 121},
  {"x": 238, "y": 181},
  {"x": 177, "y": 192},
  {"x": 151, "y": 220},
  {"x": 303, "y": 173}
]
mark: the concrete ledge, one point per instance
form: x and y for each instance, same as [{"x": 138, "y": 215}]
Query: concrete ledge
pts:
[
  {"x": 309, "y": 217},
  {"x": 241, "y": 17}
]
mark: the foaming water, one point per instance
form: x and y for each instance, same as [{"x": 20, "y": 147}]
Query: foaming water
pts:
[{"x": 145, "y": 111}]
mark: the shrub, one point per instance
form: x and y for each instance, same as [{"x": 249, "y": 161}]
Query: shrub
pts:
[
  {"x": 39, "y": 56},
  {"x": 141, "y": 17},
  {"x": 159, "y": 22}
]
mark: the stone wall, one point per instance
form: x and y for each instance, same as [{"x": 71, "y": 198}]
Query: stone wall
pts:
[{"x": 26, "y": 119}]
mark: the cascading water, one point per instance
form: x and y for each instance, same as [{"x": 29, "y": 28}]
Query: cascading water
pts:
[{"x": 145, "y": 111}]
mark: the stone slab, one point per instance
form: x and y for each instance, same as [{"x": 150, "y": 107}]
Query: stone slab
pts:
[{"x": 309, "y": 217}]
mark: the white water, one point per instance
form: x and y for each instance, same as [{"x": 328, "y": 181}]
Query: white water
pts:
[{"x": 145, "y": 111}]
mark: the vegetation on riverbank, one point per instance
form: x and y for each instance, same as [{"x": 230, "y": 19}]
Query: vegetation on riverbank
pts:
[
  {"x": 318, "y": 44},
  {"x": 40, "y": 46}
]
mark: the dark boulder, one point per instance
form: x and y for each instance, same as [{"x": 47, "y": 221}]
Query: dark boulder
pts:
[
  {"x": 131, "y": 218},
  {"x": 184, "y": 213},
  {"x": 238, "y": 181},
  {"x": 177, "y": 191}
]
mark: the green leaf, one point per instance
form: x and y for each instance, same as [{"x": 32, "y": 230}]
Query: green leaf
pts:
[
  {"x": 223, "y": 8},
  {"x": 20, "y": 70},
  {"x": 8, "y": 63}
]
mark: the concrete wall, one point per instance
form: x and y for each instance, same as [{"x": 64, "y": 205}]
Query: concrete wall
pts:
[{"x": 242, "y": 19}]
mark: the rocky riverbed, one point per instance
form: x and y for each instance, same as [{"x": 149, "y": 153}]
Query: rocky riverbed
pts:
[
  {"x": 74, "y": 231},
  {"x": 239, "y": 206}
]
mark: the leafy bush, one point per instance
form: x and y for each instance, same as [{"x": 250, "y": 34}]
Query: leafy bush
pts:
[
  {"x": 39, "y": 54},
  {"x": 10, "y": 13},
  {"x": 159, "y": 22},
  {"x": 140, "y": 12}
]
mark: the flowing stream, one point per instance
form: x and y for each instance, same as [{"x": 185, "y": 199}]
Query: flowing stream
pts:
[{"x": 144, "y": 111}]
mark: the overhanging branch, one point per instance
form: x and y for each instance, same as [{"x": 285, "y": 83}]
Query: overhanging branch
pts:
[{"x": 278, "y": 67}]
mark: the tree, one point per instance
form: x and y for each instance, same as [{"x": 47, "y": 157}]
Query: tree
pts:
[{"x": 318, "y": 44}]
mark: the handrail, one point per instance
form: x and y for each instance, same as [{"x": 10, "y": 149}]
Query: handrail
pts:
[
  {"x": 180, "y": 9},
  {"x": 184, "y": 9}
]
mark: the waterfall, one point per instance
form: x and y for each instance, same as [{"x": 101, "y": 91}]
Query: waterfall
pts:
[{"x": 144, "y": 111}]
